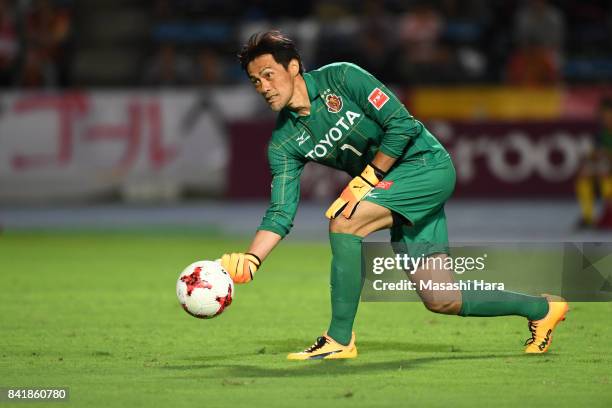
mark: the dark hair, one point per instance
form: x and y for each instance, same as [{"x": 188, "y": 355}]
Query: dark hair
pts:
[{"x": 273, "y": 42}]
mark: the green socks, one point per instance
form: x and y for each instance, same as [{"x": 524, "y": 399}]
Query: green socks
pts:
[
  {"x": 502, "y": 303},
  {"x": 346, "y": 283}
]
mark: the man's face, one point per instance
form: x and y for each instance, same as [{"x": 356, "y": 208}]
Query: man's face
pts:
[{"x": 272, "y": 80}]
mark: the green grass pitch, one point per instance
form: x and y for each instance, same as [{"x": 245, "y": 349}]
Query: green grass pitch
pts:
[{"x": 97, "y": 312}]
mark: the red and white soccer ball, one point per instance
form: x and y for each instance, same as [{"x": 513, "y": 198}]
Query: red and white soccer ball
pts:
[{"x": 205, "y": 289}]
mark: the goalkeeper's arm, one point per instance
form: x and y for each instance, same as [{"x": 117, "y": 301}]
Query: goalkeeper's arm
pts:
[{"x": 263, "y": 243}]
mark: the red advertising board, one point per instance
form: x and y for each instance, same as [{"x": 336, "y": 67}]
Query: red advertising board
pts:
[
  {"x": 515, "y": 159},
  {"x": 249, "y": 175},
  {"x": 493, "y": 159}
]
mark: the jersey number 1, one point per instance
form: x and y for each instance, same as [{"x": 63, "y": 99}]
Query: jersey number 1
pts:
[{"x": 351, "y": 148}]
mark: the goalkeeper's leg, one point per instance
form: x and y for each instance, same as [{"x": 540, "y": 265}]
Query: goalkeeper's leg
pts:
[
  {"x": 347, "y": 277},
  {"x": 346, "y": 280},
  {"x": 542, "y": 312}
]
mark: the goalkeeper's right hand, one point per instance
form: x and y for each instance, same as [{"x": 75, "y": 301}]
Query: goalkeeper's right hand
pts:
[{"x": 241, "y": 267}]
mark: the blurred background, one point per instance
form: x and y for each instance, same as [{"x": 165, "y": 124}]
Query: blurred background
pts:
[{"x": 132, "y": 113}]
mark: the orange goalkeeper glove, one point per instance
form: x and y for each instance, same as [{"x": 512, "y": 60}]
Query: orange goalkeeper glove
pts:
[
  {"x": 241, "y": 267},
  {"x": 356, "y": 190}
]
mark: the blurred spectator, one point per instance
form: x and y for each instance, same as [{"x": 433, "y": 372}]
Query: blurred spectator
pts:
[
  {"x": 597, "y": 168},
  {"x": 332, "y": 10},
  {"x": 166, "y": 68},
  {"x": 540, "y": 23},
  {"x": 533, "y": 65},
  {"x": 588, "y": 40},
  {"x": 538, "y": 33},
  {"x": 589, "y": 27},
  {"x": 420, "y": 30},
  {"x": 47, "y": 35},
  {"x": 376, "y": 36},
  {"x": 422, "y": 57},
  {"x": 9, "y": 43},
  {"x": 466, "y": 21},
  {"x": 209, "y": 68},
  {"x": 34, "y": 72},
  {"x": 164, "y": 11},
  {"x": 410, "y": 42}
]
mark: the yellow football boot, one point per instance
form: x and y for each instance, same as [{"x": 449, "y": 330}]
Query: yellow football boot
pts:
[
  {"x": 541, "y": 330},
  {"x": 326, "y": 348}
]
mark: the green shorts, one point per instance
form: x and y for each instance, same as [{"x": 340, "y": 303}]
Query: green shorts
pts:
[{"x": 417, "y": 190}]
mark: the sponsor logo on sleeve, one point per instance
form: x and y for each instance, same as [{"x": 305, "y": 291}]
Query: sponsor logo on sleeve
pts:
[{"x": 378, "y": 98}]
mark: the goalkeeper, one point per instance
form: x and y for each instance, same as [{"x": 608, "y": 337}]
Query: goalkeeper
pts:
[{"x": 342, "y": 117}]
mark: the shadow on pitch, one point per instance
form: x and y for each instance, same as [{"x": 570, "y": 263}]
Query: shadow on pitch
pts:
[
  {"x": 283, "y": 347},
  {"x": 327, "y": 367},
  {"x": 290, "y": 345}
]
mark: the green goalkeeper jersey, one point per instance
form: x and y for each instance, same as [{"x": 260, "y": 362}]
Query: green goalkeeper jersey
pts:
[{"x": 352, "y": 116}]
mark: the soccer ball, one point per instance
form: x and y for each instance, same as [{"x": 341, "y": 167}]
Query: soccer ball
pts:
[{"x": 204, "y": 289}]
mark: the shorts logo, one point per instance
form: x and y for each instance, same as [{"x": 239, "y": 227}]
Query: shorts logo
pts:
[
  {"x": 384, "y": 185},
  {"x": 333, "y": 102},
  {"x": 378, "y": 98}
]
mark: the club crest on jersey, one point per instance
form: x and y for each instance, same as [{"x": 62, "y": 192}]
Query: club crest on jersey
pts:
[{"x": 333, "y": 102}]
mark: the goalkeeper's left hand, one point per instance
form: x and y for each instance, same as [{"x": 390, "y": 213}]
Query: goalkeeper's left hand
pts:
[
  {"x": 241, "y": 267},
  {"x": 356, "y": 190}
]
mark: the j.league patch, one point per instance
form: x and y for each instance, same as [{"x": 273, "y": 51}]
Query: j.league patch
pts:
[{"x": 378, "y": 98}]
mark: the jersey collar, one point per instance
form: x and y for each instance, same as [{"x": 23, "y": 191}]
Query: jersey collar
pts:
[
  {"x": 313, "y": 93},
  {"x": 311, "y": 86}
]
